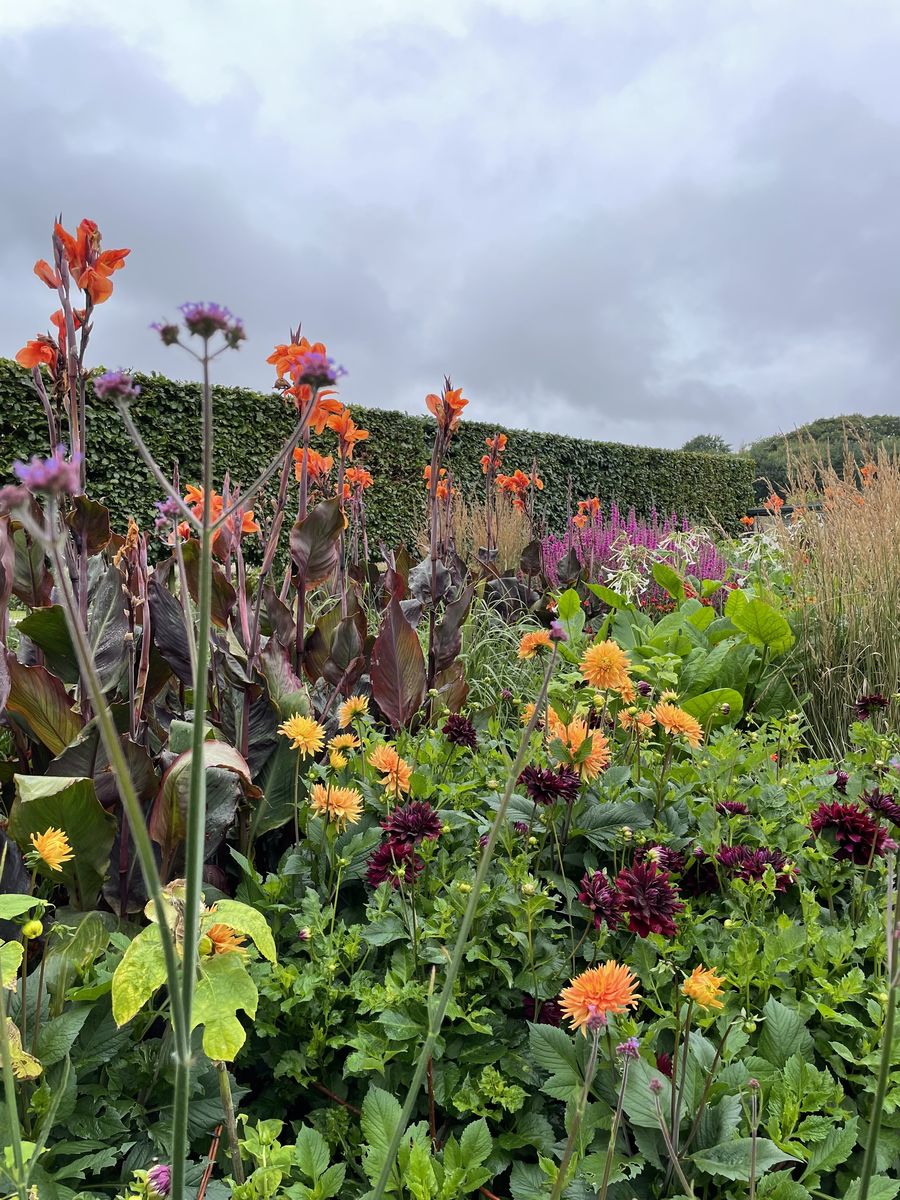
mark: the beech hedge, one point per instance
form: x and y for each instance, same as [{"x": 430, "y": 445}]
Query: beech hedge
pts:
[{"x": 250, "y": 426}]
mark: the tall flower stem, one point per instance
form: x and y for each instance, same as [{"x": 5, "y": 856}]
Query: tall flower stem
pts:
[
  {"x": 139, "y": 833},
  {"x": 436, "y": 1019},
  {"x": 613, "y": 1133},
  {"x": 580, "y": 1110},
  {"x": 196, "y": 815},
  {"x": 230, "y": 1122}
]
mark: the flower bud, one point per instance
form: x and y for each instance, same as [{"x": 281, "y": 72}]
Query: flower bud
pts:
[
  {"x": 204, "y": 947},
  {"x": 32, "y": 929}
]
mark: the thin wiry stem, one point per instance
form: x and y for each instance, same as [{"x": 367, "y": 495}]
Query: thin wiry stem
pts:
[
  {"x": 436, "y": 1019},
  {"x": 152, "y": 467}
]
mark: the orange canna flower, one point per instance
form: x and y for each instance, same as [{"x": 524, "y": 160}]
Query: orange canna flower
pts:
[
  {"x": 590, "y": 508},
  {"x": 447, "y": 407},
  {"x": 325, "y": 407},
  {"x": 348, "y": 433},
  {"x": 596, "y": 994},
  {"x": 317, "y": 465},
  {"x": 46, "y": 274},
  {"x": 358, "y": 479},
  {"x": 748, "y": 521},
  {"x": 89, "y": 266},
  {"x": 774, "y": 503},
  {"x": 580, "y": 520},
  {"x": 39, "y": 351}
]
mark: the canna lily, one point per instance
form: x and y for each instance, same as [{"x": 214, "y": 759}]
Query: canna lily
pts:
[
  {"x": 348, "y": 432},
  {"x": 317, "y": 465},
  {"x": 89, "y": 266},
  {"x": 447, "y": 407},
  {"x": 40, "y": 351}
]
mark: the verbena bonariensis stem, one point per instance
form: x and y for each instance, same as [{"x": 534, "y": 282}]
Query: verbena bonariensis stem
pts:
[
  {"x": 580, "y": 1110},
  {"x": 436, "y": 1017},
  {"x": 130, "y": 802}
]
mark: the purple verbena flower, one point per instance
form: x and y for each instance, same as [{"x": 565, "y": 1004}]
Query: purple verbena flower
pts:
[
  {"x": 167, "y": 332},
  {"x": 318, "y": 370},
  {"x": 168, "y": 511},
  {"x": 116, "y": 385},
  {"x": 52, "y": 475},
  {"x": 206, "y": 319},
  {"x": 629, "y": 1049}
]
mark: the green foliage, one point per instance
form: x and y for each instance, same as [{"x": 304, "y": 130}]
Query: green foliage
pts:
[
  {"x": 829, "y": 437},
  {"x": 251, "y": 426},
  {"x": 707, "y": 443}
]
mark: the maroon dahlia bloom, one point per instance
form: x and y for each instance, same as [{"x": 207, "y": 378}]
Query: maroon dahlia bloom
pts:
[
  {"x": 883, "y": 804},
  {"x": 732, "y": 808},
  {"x": 412, "y": 822},
  {"x": 866, "y": 705},
  {"x": 664, "y": 1063},
  {"x": 750, "y": 865},
  {"x": 459, "y": 731},
  {"x": 601, "y": 897},
  {"x": 546, "y": 786},
  {"x": 664, "y": 857},
  {"x": 394, "y": 862},
  {"x": 649, "y": 899},
  {"x": 549, "y": 1013},
  {"x": 856, "y": 836},
  {"x": 700, "y": 877},
  {"x": 841, "y": 779}
]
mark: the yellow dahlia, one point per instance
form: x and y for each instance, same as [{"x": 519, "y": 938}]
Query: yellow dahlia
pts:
[
  {"x": 344, "y": 741},
  {"x": 337, "y": 760},
  {"x": 531, "y": 642},
  {"x": 306, "y": 735},
  {"x": 598, "y": 992},
  {"x": 342, "y": 805},
  {"x": 704, "y": 987},
  {"x": 605, "y": 665},
  {"x": 52, "y": 847},
  {"x": 356, "y": 706},
  {"x": 678, "y": 723}
]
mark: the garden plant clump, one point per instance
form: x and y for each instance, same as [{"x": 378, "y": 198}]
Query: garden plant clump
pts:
[{"x": 364, "y": 872}]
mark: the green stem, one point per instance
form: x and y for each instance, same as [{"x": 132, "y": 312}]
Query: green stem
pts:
[
  {"x": 230, "y": 1123},
  {"x": 437, "y": 1018},
  {"x": 884, "y": 1070},
  {"x": 139, "y": 833},
  {"x": 196, "y": 815},
  {"x": 613, "y": 1133},
  {"x": 581, "y": 1109}
]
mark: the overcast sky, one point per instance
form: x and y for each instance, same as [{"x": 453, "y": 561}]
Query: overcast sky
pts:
[{"x": 624, "y": 219}]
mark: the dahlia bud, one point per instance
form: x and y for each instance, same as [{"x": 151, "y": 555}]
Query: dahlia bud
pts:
[
  {"x": 655, "y": 1086},
  {"x": 204, "y": 947},
  {"x": 644, "y": 687},
  {"x": 304, "y": 934},
  {"x": 725, "y": 709},
  {"x": 32, "y": 929}
]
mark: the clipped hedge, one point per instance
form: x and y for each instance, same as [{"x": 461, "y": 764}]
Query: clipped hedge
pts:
[{"x": 250, "y": 426}]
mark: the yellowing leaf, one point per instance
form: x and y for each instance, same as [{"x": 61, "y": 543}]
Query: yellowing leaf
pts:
[
  {"x": 141, "y": 971},
  {"x": 242, "y": 919},
  {"x": 24, "y": 1065},
  {"x": 224, "y": 987}
]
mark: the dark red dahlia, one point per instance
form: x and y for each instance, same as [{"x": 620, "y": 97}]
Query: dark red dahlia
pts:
[
  {"x": 413, "y": 822},
  {"x": 392, "y": 863},
  {"x": 856, "y": 836},
  {"x": 700, "y": 876},
  {"x": 883, "y": 804},
  {"x": 649, "y": 899},
  {"x": 549, "y": 1012},
  {"x": 841, "y": 779},
  {"x": 732, "y": 808},
  {"x": 664, "y": 1063},
  {"x": 866, "y": 705},
  {"x": 602, "y": 898},
  {"x": 750, "y": 865},
  {"x": 664, "y": 857},
  {"x": 545, "y": 786},
  {"x": 459, "y": 731}
]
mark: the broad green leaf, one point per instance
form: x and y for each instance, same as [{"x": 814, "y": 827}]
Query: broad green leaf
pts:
[
  {"x": 731, "y": 1160},
  {"x": 223, "y": 988},
  {"x": 608, "y": 596},
  {"x": 11, "y": 955},
  {"x": 48, "y": 630},
  {"x": 14, "y": 905},
  {"x": 764, "y": 626},
  {"x": 669, "y": 580},
  {"x": 640, "y": 1104},
  {"x": 475, "y": 1143},
  {"x": 783, "y": 1034},
  {"x": 834, "y": 1151},
  {"x": 380, "y": 1117},
  {"x": 570, "y": 614},
  {"x": 723, "y": 706},
  {"x": 312, "y": 1153},
  {"x": 242, "y": 919},
  {"x": 141, "y": 971},
  {"x": 57, "y": 1037},
  {"x": 71, "y": 805},
  {"x": 880, "y": 1188}
]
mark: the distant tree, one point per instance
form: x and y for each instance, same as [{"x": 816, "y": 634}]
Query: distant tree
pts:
[
  {"x": 707, "y": 443},
  {"x": 829, "y": 438}
]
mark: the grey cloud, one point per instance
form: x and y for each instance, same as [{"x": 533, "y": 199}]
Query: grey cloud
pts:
[{"x": 460, "y": 204}]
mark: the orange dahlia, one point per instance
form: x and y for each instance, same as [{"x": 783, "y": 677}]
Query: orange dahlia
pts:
[
  {"x": 598, "y": 992},
  {"x": 395, "y": 771},
  {"x": 531, "y": 642},
  {"x": 356, "y": 706},
  {"x": 225, "y": 940},
  {"x": 573, "y": 736},
  {"x": 342, "y": 805},
  {"x": 605, "y": 665},
  {"x": 678, "y": 723}
]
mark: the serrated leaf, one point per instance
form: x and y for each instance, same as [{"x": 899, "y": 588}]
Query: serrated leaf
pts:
[
  {"x": 880, "y": 1188},
  {"x": 834, "y": 1151},
  {"x": 312, "y": 1153},
  {"x": 380, "y": 1117},
  {"x": 141, "y": 971},
  {"x": 57, "y": 1037},
  {"x": 783, "y": 1033},
  {"x": 475, "y": 1143}
]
